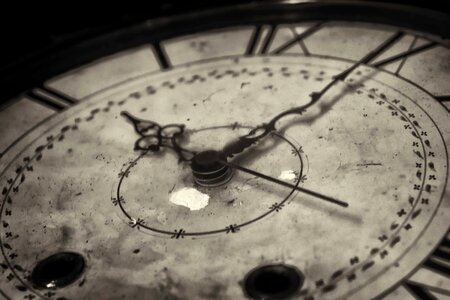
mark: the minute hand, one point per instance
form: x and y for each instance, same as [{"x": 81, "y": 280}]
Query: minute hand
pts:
[
  {"x": 263, "y": 130},
  {"x": 286, "y": 184},
  {"x": 365, "y": 60}
]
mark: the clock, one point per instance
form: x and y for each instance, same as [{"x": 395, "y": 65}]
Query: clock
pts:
[{"x": 262, "y": 150}]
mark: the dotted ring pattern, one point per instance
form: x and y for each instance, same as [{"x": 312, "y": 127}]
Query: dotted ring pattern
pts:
[{"x": 347, "y": 273}]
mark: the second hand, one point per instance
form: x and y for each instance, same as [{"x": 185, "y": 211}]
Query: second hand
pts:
[{"x": 286, "y": 184}]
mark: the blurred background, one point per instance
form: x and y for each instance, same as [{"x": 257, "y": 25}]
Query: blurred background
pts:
[
  {"x": 25, "y": 30},
  {"x": 28, "y": 32}
]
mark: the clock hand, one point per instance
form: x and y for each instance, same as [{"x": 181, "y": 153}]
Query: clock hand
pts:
[
  {"x": 264, "y": 129},
  {"x": 315, "y": 96},
  {"x": 283, "y": 183},
  {"x": 154, "y": 136}
]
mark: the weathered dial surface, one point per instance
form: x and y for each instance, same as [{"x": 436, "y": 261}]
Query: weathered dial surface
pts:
[{"x": 133, "y": 222}]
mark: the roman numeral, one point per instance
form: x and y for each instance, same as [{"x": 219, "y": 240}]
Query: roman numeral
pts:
[
  {"x": 260, "y": 40},
  {"x": 51, "y": 98},
  {"x": 445, "y": 98},
  {"x": 298, "y": 39},
  {"x": 366, "y": 59},
  {"x": 411, "y": 46},
  {"x": 424, "y": 292},
  {"x": 439, "y": 263},
  {"x": 383, "y": 47},
  {"x": 161, "y": 56},
  {"x": 263, "y": 35},
  {"x": 405, "y": 54}
]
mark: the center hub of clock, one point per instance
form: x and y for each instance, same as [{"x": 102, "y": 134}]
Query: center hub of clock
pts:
[
  {"x": 209, "y": 170},
  {"x": 209, "y": 195}
]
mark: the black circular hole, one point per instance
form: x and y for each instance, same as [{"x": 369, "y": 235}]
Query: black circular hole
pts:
[
  {"x": 58, "y": 270},
  {"x": 273, "y": 281}
]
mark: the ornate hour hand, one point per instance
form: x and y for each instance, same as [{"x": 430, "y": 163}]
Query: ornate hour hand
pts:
[
  {"x": 261, "y": 131},
  {"x": 154, "y": 136}
]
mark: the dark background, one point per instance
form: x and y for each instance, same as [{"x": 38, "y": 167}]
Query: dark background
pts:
[
  {"x": 26, "y": 29},
  {"x": 29, "y": 30}
]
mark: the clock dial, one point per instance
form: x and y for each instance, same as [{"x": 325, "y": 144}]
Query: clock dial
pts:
[{"x": 268, "y": 160}]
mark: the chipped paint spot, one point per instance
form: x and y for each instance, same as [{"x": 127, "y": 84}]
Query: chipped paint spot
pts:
[
  {"x": 287, "y": 175},
  {"x": 190, "y": 198}
]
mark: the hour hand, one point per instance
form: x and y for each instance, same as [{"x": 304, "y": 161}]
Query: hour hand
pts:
[
  {"x": 153, "y": 136},
  {"x": 142, "y": 127}
]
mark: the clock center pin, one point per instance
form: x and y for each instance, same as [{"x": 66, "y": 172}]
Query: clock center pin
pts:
[{"x": 208, "y": 169}]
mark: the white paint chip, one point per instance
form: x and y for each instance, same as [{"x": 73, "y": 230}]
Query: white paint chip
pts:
[
  {"x": 287, "y": 175},
  {"x": 190, "y": 198}
]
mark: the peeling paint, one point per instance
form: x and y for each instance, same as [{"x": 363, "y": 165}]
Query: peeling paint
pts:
[
  {"x": 190, "y": 198},
  {"x": 287, "y": 175}
]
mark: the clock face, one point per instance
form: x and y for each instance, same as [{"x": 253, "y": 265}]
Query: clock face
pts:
[{"x": 281, "y": 158}]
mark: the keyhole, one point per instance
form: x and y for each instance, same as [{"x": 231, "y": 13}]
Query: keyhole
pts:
[
  {"x": 58, "y": 270},
  {"x": 273, "y": 281}
]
